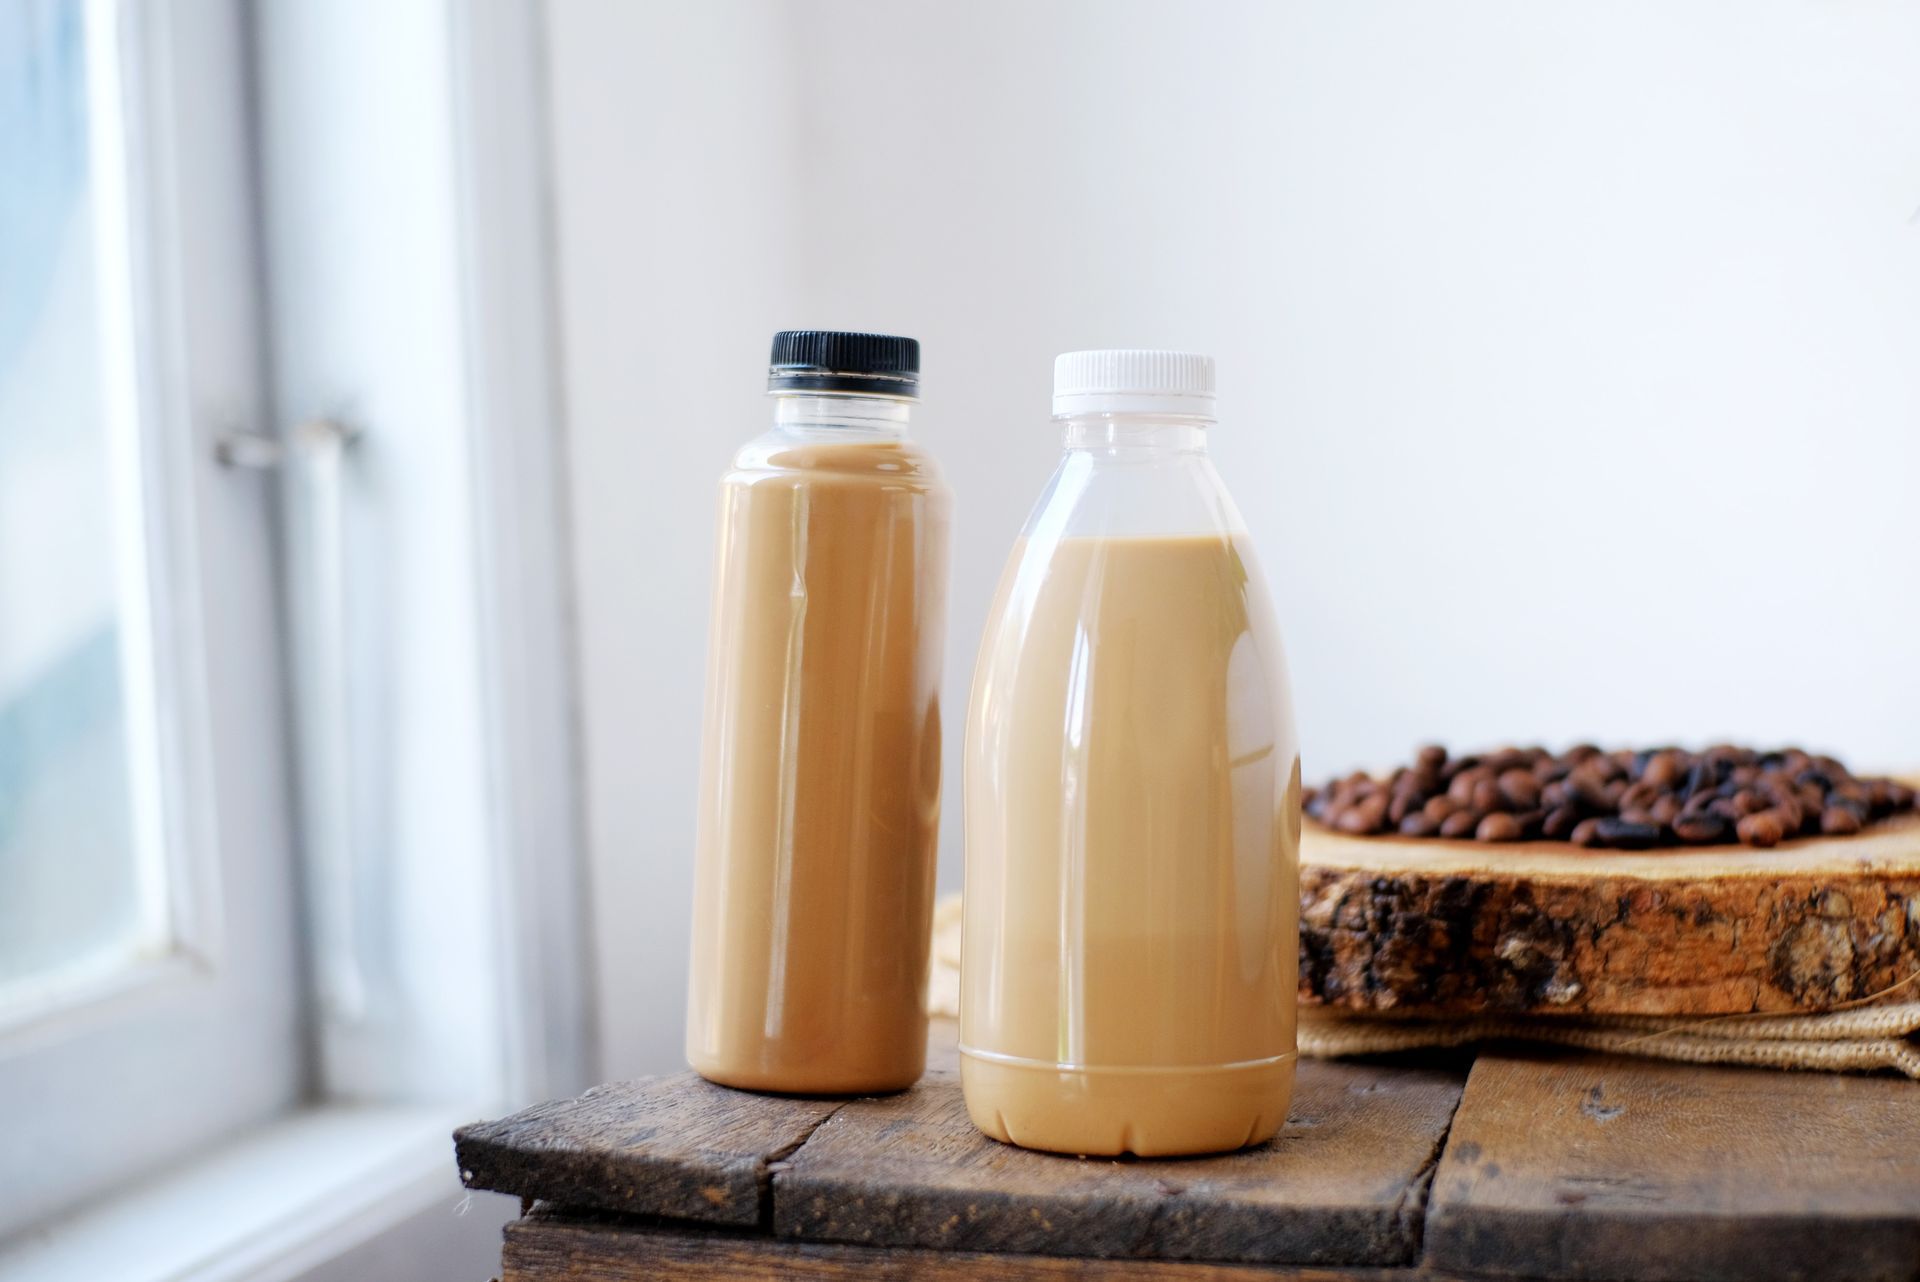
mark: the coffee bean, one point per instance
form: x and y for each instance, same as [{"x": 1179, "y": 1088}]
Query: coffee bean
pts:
[
  {"x": 1418, "y": 824},
  {"x": 1792, "y": 816},
  {"x": 1588, "y": 788},
  {"x": 1851, "y": 789},
  {"x": 1638, "y": 796},
  {"x": 1860, "y": 810},
  {"x": 1460, "y": 791},
  {"x": 1664, "y": 769},
  {"x": 1461, "y": 823},
  {"x": 1701, "y": 778},
  {"x": 1401, "y": 806},
  {"x": 1519, "y": 789},
  {"x": 1701, "y": 829},
  {"x": 1353, "y": 821},
  {"x": 1486, "y": 796},
  {"x": 1837, "y": 821},
  {"x": 1762, "y": 828},
  {"x": 1559, "y": 822},
  {"x": 1626, "y": 834},
  {"x": 1438, "y": 808},
  {"x": 1585, "y": 833},
  {"x": 1498, "y": 827},
  {"x": 1433, "y": 756}
]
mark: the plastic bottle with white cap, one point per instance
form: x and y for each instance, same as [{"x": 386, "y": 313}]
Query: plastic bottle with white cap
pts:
[{"x": 1132, "y": 799}]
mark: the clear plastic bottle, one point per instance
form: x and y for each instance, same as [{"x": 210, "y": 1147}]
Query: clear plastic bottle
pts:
[
  {"x": 820, "y": 771},
  {"x": 1131, "y": 913}
]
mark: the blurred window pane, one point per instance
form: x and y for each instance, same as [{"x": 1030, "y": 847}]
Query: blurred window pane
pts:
[{"x": 80, "y": 892}]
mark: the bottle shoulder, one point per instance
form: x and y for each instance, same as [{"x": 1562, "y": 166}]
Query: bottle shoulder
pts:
[
  {"x": 827, "y": 454},
  {"x": 1091, "y": 496}
]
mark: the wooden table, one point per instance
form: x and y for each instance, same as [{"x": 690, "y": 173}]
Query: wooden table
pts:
[{"x": 1509, "y": 1165}]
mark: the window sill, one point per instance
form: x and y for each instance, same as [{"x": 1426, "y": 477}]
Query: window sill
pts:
[{"x": 277, "y": 1203}]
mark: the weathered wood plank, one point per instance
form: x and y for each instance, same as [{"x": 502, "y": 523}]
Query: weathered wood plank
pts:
[
  {"x": 1604, "y": 1168},
  {"x": 1343, "y": 1183},
  {"x": 674, "y": 1146},
  {"x": 547, "y": 1248}
]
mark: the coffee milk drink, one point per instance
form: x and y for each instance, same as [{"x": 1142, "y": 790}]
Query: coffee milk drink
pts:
[
  {"x": 820, "y": 767},
  {"x": 1130, "y": 921}
]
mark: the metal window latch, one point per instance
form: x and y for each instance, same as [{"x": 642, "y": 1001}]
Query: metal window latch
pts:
[
  {"x": 263, "y": 451},
  {"x": 326, "y": 662}
]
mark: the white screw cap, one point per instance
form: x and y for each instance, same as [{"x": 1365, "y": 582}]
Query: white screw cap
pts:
[{"x": 1132, "y": 381}]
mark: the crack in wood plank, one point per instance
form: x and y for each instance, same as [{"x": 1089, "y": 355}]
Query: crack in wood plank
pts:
[
  {"x": 778, "y": 1161},
  {"x": 1411, "y": 1211}
]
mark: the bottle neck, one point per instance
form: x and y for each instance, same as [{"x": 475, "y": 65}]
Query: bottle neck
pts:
[
  {"x": 1135, "y": 435},
  {"x": 882, "y": 417}
]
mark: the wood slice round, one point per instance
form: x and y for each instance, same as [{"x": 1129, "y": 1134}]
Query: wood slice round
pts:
[{"x": 1430, "y": 927}]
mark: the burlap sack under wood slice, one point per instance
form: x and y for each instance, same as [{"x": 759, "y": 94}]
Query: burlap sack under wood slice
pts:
[
  {"x": 1879, "y": 1036},
  {"x": 1873, "y": 1037}
]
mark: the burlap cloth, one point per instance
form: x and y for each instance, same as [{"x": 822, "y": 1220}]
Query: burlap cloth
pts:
[
  {"x": 1879, "y": 1036},
  {"x": 1872, "y": 1037}
]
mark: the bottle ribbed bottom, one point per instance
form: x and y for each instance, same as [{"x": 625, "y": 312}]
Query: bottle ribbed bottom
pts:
[{"x": 1149, "y": 1112}]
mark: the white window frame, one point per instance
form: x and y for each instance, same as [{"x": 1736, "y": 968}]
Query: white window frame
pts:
[
  {"x": 110, "y": 1077},
  {"x": 437, "y": 110}
]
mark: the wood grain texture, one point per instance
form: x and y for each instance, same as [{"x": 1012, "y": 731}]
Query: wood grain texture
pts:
[
  {"x": 547, "y": 1248},
  {"x": 1344, "y": 1182},
  {"x": 674, "y": 1146},
  {"x": 1438, "y": 927},
  {"x": 1603, "y": 1168}
]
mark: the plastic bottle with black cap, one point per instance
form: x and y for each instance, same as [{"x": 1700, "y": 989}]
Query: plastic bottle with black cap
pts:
[{"x": 819, "y": 800}]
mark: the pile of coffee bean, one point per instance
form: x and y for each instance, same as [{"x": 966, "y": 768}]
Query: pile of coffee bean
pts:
[{"x": 1618, "y": 800}]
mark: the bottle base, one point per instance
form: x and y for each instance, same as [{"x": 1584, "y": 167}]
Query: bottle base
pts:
[
  {"x": 1104, "y": 1112},
  {"x": 813, "y": 1080}
]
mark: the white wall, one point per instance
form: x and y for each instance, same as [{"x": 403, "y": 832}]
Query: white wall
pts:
[{"x": 1570, "y": 355}]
